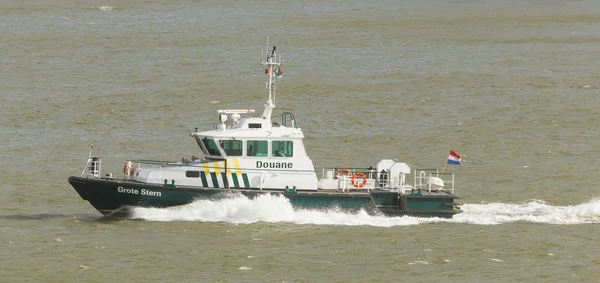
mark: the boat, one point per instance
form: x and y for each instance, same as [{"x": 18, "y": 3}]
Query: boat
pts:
[{"x": 246, "y": 154}]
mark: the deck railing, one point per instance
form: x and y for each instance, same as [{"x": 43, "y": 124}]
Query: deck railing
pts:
[
  {"x": 382, "y": 180},
  {"x": 422, "y": 180}
]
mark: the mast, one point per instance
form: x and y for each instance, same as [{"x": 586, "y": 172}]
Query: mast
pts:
[{"x": 274, "y": 72}]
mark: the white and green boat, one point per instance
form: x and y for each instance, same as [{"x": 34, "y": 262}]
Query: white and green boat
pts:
[{"x": 256, "y": 155}]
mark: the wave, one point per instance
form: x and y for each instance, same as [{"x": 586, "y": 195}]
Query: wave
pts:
[
  {"x": 274, "y": 209},
  {"x": 106, "y": 8}
]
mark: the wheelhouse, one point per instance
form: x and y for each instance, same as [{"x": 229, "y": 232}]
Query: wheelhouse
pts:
[{"x": 224, "y": 147}]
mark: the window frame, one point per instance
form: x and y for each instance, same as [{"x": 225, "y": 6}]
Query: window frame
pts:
[
  {"x": 228, "y": 150},
  {"x": 254, "y": 144},
  {"x": 282, "y": 147},
  {"x": 205, "y": 140},
  {"x": 196, "y": 174}
]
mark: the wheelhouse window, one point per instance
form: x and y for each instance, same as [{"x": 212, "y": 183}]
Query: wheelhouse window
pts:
[
  {"x": 257, "y": 148},
  {"x": 232, "y": 147},
  {"x": 211, "y": 147},
  {"x": 201, "y": 145},
  {"x": 282, "y": 148}
]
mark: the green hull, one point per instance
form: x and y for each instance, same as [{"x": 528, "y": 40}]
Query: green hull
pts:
[{"x": 114, "y": 197}]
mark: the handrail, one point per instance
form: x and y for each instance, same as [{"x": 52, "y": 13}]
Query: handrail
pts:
[
  {"x": 284, "y": 119},
  {"x": 147, "y": 161},
  {"x": 422, "y": 177}
]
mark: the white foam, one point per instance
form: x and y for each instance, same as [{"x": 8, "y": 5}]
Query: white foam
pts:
[
  {"x": 106, "y": 8},
  {"x": 419, "y": 262},
  {"x": 536, "y": 211},
  {"x": 267, "y": 208}
]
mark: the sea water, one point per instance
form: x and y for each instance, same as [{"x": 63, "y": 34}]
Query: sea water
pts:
[{"x": 512, "y": 86}]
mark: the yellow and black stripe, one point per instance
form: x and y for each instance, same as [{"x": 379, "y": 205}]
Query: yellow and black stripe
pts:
[{"x": 213, "y": 174}]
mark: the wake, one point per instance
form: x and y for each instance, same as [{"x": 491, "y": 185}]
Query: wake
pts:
[{"x": 273, "y": 209}]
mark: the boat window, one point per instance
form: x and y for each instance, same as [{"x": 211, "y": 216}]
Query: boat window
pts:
[
  {"x": 254, "y": 126},
  {"x": 192, "y": 174},
  {"x": 257, "y": 148},
  {"x": 199, "y": 142},
  {"x": 283, "y": 148},
  {"x": 232, "y": 147},
  {"x": 211, "y": 147}
]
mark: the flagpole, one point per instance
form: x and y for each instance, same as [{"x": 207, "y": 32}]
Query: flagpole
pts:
[{"x": 445, "y": 163}]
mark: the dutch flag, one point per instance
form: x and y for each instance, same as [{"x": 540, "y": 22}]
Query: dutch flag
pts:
[{"x": 453, "y": 158}]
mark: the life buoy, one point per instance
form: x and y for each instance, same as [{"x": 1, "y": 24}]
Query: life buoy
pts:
[
  {"x": 128, "y": 168},
  {"x": 355, "y": 182},
  {"x": 340, "y": 173}
]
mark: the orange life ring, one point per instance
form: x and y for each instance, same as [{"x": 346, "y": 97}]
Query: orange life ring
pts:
[
  {"x": 340, "y": 173},
  {"x": 355, "y": 181}
]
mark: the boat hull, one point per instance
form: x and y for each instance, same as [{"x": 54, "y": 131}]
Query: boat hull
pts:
[{"x": 114, "y": 198}]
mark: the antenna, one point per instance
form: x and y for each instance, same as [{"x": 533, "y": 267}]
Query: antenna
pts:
[
  {"x": 274, "y": 72},
  {"x": 267, "y": 49}
]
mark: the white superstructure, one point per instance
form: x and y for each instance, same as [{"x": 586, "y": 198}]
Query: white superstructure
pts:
[{"x": 257, "y": 152}]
